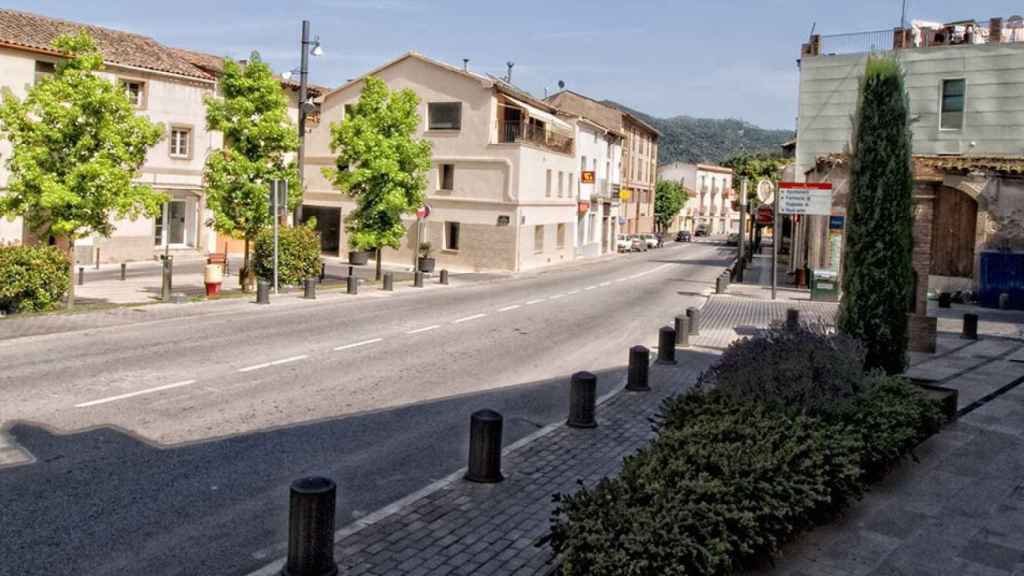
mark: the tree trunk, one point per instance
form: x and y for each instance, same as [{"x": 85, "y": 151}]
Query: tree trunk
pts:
[
  {"x": 243, "y": 276},
  {"x": 71, "y": 273},
  {"x": 379, "y": 272}
]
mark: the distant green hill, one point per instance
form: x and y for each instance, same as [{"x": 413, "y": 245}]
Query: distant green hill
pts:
[{"x": 688, "y": 139}]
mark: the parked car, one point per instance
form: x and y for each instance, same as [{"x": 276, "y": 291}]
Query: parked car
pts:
[
  {"x": 623, "y": 243},
  {"x": 683, "y": 236},
  {"x": 637, "y": 243},
  {"x": 701, "y": 231},
  {"x": 650, "y": 239},
  {"x": 733, "y": 239}
]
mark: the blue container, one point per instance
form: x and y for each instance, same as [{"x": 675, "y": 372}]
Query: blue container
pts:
[{"x": 1001, "y": 272}]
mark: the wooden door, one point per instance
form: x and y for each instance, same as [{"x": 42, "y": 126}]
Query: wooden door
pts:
[{"x": 953, "y": 233}]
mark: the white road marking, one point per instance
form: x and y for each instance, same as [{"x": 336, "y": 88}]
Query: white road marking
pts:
[
  {"x": 591, "y": 288},
  {"x": 507, "y": 308},
  {"x": 274, "y": 363},
  {"x": 603, "y": 284},
  {"x": 426, "y": 329},
  {"x": 532, "y": 302},
  {"x": 358, "y": 344},
  {"x": 556, "y": 297},
  {"x": 468, "y": 318},
  {"x": 574, "y": 292},
  {"x": 133, "y": 394}
]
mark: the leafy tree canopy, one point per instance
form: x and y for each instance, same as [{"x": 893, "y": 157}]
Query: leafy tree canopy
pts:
[
  {"x": 755, "y": 167},
  {"x": 77, "y": 144},
  {"x": 669, "y": 198},
  {"x": 380, "y": 164}
]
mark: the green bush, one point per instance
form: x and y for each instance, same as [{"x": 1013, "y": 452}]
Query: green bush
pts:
[
  {"x": 727, "y": 482},
  {"x": 32, "y": 278},
  {"x": 298, "y": 254},
  {"x": 809, "y": 369}
]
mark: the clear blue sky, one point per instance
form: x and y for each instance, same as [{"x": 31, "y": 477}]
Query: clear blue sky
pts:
[{"x": 708, "y": 58}]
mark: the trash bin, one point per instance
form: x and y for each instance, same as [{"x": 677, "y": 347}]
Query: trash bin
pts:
[{"x": 824, "y": 286}]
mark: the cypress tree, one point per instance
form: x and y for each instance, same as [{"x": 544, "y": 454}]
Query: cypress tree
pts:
[{"x": 878, "y": 272}]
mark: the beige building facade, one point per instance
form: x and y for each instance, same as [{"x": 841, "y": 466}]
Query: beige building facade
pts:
[
  {"x": 710, "y": 196},
  {"x": 503, "y": 188}
]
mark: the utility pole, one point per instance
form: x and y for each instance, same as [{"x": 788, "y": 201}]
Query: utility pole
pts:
[
  {"x": 743, "y": 211},
  {"x": 303, "y": 77},
  {"x": 776, "y": 239}
]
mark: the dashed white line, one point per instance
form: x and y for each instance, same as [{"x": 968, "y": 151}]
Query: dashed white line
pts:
[
  {"x": 507, "y": 308},
  {"x": 574, "y": 292},
  {"x": 274, "y": 363},
  {"x": 603, "y": 284},
  {"x": 358, "y": 344},
  {"x": 133, "y": 394},
  {"x": 556, "y": 297},
  {"x": 532, "y": 302},
  {"x": 591, "y": 288},
  {"x": 425, "y": 329},
  {"x": 468, "y": 318}
]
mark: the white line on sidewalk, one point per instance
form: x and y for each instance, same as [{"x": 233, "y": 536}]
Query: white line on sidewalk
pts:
[
  {"x": 426, "y": 329},
  {"x": 507, "y": 308},
  {"x": 358, "y": 344},
  {"x": 532, "y": 302},
  {"x": 133, "y": 394},
  {"x": 468, "y": 318}
]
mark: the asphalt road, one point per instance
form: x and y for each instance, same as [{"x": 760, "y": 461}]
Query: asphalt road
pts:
[{"x": 168, "y": 448}]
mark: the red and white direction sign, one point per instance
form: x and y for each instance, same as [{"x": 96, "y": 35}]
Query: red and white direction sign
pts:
[
  {"x": 812, "y": 198},
  {"x": 423, "y": 212}
]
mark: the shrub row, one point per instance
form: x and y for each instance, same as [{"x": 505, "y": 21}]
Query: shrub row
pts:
[
  {"x": 298, "y": 254},
  {"x": 32, "y": 278},
  {"x": 738, "y": 470}
]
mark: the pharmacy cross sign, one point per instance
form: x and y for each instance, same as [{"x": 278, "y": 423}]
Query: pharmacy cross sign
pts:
[{"x": 811, "y": 198}]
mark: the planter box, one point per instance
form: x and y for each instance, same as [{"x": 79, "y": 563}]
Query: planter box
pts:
[
  {"x": 947, "y": 398},
  {"x": 426, "y": 265},
  {"x": 358, "y": 258}
]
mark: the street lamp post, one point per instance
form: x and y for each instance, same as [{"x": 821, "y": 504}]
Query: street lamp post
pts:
[{"x": 304, "y": 105}]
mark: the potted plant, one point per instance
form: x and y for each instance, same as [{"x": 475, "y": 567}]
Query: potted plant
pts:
[
  {"x": 358, "y": 257},
  {"x": 426, "y": 263}
]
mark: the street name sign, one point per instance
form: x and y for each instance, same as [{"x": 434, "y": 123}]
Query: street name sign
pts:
[{"x": 811, "y": 198}]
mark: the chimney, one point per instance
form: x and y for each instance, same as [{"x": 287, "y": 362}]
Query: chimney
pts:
[
  {"x": 510, "y": 64},
  {"x": 465, "y": 64}
]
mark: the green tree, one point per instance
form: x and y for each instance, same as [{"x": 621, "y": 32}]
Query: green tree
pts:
[
  {"x": 380, "y": 165},
  {"x": 669, "y": 198},
  {"x": 754, "y": 167},
  {"x": 77, "y": 144},
  {"x": 878, "y": 272},
  {"x": 252, "y": 113}
]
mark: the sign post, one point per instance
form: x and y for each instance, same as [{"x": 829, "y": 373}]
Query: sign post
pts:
[
  {"x": 776, "y": 239},
  {"x": 743, "y": 211},
  {"x": 278, "y": 200},
  {"x": 804, "y": 199}
]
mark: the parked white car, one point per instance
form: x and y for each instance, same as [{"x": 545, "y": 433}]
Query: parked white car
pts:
[
  {"x": 651, "y": 240},
  {"x": 623, "y": 243}
]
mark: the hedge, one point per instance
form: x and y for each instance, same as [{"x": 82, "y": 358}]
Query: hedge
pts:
[
  {"x": 298, "y": 255},
  {"x": 736, "y": 472},
  {"x": 32, "y": 278}
]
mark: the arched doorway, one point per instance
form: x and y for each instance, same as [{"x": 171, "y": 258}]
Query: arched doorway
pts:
[{"x": 954, "y": 227}]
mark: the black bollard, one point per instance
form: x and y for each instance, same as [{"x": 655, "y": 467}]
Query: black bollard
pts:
[
  {"x": 945, "y": 300},
  {"x": 683, "y": 331},
  {"x": 353, "y": 285},
  {"x": 582, "y": 400},
  {"x": 1004, "y": 301},
  {"x": 666, "y": 346},
  {"x": 970, "y": 329},
  {"x": 694, "y": 315},
  {"x": 351, "y": 271},
  {"x": 124, "y": 271},
  {"x": 639, "y": 361},
  {"x": 418, "y": 279},
  {"x": 310, "y": 289},
  {"x": 389, "y": 281},
  {"x": 262, "y": 291},
  {"x": 485, "y": 447},
  {"x": 323, "y": 271},
  {"x": 311, "y": 528},
  {"x": 719, "y": 285},
  {"x": 792, "y": 319},
  {"x": 81, "y": 275},
  {"x": 444, "y": 276}
]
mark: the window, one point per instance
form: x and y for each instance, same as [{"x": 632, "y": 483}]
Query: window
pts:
[
  {"x": 954, "y": 93},
  {"x": 446, "y": 178},
  {"x": 451, "y": 236},
  {"x": 136, "y": 90},
  {"x": 445, "y": 115},
  {"x": 158, "y": 231},
  {"x": 538, "y": 238},
  {"x": 561, "y": 184},
  {"x": 44, "y": 69},
  {"x": 583, "y": 163},
  {"x": 572, "y": 181},
  {"x": 561, "y": 235},
  {"x": 547, "y": 191},
  {"x": 181, "y": 142}
]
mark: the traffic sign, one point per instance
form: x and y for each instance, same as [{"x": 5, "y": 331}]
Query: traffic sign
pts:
[
  {"x": 765, "y": 215},
  {"x": 765, "y": 191},
  {"x": 812, "y": 198},
  {"x": 423, "y": 212}
]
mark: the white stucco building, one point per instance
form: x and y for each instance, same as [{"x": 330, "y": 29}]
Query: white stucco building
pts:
[
  {"x": 710, "y": 196},
  {"x": 599, "y": 154}
]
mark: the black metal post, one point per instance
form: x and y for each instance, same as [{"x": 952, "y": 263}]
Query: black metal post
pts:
[
  {"x": 262, "y": 291},
  {"x": 81, "y": 275},
  {"x": 444, "y": 276},
  {"x": 124, "y": 271},
  {"x": 970, "y": 329},
  {"x": 1004, "y": 301},
  {"x": 743, "y": 233},
  {"x": 323, "y": 271},
  {"x": 353, "y": 285},
  {"x": 311, "y": 528},
  {"x": 582, "y": 400},
  {"x": 694, "y": 315},
  {"x": 719, "y": 285},
  {"x": 639, "y": 361},
  {"x": 683, "y": 331},
  {"x": 792, "y": 319},
  {"x": 945, "y": 300},
  {"x": 485, "y": 447},
  {"x": 389, "y": 282},
  {"x": 418, "y": 279},
  {"x": 303, "y": 83},
  {"x": 351, "y": 270},
  {"x": 167, "y": 284},
  {"x": 310, "y": 289},
  {"x": 666, "y": 345}
]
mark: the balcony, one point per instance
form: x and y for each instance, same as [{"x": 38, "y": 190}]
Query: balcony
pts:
[
  {"x": 536, "y": 134},
  {"x": 920, "y": 35}
]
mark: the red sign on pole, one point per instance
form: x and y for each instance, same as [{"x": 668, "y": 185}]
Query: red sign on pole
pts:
[
  {"x": 765, "y": 215},
  {"x": 423, "y": 212}
]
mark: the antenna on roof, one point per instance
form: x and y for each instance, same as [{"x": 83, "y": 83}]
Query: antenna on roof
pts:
[
  {"x": 510, "y": 64},
  {"x": 561, "y": 84},
  {"x": 465, "y": 64}
]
